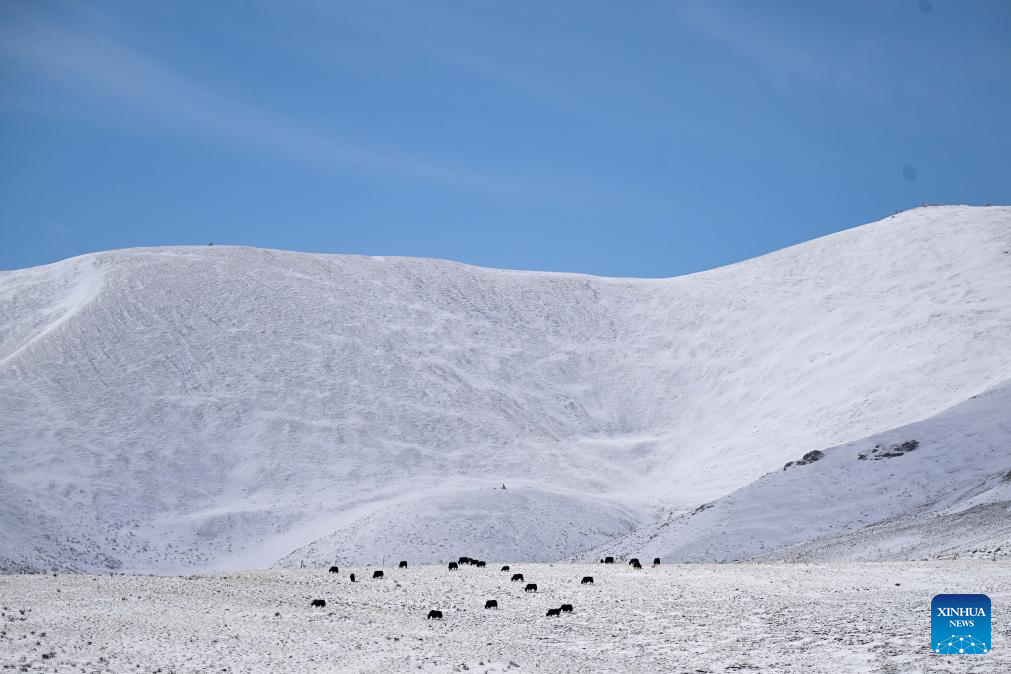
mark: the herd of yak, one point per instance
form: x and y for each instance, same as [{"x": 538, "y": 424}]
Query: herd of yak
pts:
[{"x": 435, "y": 614}]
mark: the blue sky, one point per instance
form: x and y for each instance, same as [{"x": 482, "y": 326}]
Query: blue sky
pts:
[{"x": 616, "y": 138}]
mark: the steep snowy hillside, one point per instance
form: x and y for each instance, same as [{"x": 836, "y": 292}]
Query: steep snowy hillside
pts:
[
  {"x": 936, "y": 488},
  {"x": 226, "y": 407}
]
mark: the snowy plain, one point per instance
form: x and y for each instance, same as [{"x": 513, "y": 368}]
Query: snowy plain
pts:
[
  {"x": 839, "y": 618},
  {"x": 219, "y": 408}
]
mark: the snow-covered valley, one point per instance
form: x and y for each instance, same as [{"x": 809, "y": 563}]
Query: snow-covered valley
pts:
[{"x": 176, "y": 409}]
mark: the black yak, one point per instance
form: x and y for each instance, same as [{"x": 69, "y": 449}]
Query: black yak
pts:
[
  {"x": 633, "y": 561},
  {"x": 480, "y": 564},
  {"x": 636, "y": 564},
  {"x": 587, "y": 580},
  {"x": 334, "y": 569},
  {"x": 464, "y": 560},
  {"x": 656, "y": 561},
  {"x": 453, "y": 566},
  {"x": 608, "y": 560},
  {"x": 554, "y": 611},
  {"x": 531, "y": 587},
  {"x": 566, "y": 608},
  {"x": 352, "y": 577},
  {"x": 377, "y": 574},
  {"x": 318, "y": 603},
  {"x": 505, "y": 568},
  {"x": 491, "y": 603},
  {"x": 517, "y": 576},
  {"x": 403, "y": 564},
  {"x": 434, "y": 615}
]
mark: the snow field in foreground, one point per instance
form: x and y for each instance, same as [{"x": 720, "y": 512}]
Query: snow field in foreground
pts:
[{"x": 699, "y": 618}]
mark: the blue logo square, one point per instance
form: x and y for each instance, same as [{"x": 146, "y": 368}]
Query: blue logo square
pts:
[{"x": 960, "y": 624}]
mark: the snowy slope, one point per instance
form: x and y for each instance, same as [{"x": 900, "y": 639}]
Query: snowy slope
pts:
[
  {"x": 224, "y": 407},
  {"x": 875, "y": 499}
]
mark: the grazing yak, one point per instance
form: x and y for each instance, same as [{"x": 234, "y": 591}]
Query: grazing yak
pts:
[
  {"x": 434, "y": 615},
  {"x": 334, "y": 569},
  {"x": 505, "y": 568},
  {"x": 517, "y": 576},
  {"x": 491, "y": 603},
  {"x": 587, "y": 580},
  {"x": 566, "y": 608},
  {"x": 453, "y": 566},
  {"x": 554, "y": 611},
  {"x": 531, "y": 587},
  {"x": 656, "y": 561},
  {"x": 636, "y": 564},
  {"x": 352, "y": 577},
  {"x": 633, "y": 561},
  {"x": 377, "y": 574},
  {"x": 464, "y": 560},
  {"x": 608, "y": 560},
  {"x": 318, "y": 603},
  {"x": 480, "y": 564},
  {"x": 403, "y": 564}
]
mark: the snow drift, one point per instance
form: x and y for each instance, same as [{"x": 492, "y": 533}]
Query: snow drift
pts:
[{"x": 222, "y": 407}]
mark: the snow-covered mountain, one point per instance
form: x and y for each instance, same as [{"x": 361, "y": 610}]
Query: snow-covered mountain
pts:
[{"x": 173, "y": 408}]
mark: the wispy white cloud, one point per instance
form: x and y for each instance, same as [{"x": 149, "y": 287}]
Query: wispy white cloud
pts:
[
  {"x": 452, "y": 38},
  {"x": 98, "y": 66},
  {"x": 789, "y": 56}
]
